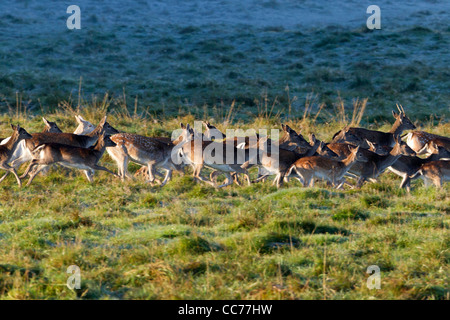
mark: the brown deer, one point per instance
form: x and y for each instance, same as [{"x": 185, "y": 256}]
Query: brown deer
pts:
[
  {"x": 377, "y": 164},
  {"x": 359, "y": 136},
  {"x": 82, "y": 141},
  {"x": 7, "y": 150},
  {"x": 407, "y": 166},
  {"x": 434, "y": 172},
  {"x": 279, "y": 164},
  {"x": 417, "y": 140},
  {"x": 85, "y": 159},
  {"x": 217, "y": 155},
  {"x": 49, "y": 127},
  {"x": 147, "y": 151},
  {"x": 331, "y": 170}
]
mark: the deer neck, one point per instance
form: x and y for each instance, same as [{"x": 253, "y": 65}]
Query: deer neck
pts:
[
  {"x": 397, "y": 128},
  {"x": 349, "y": 161}
]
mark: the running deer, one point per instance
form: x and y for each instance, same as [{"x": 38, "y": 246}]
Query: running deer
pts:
[
  {"x": 359, "y": 136},
  {"x": 85, "y": 159},
  {"x": 377, "y": 164},
  {"x": 49, "y": 127},
  {"x": 434, "y": 172},
  {"x": 331, "y": 170},
  {"x": 407, "y": 166},
  {"x": 84, "y": 126},
  {"x": 417, "y": 140},
  {"x": 147, "y": 151},
  {"x": 279, "y": 164},
  {"x": 7, "y": 150},
  {"x": 82, "y": 141},
  {"x": 217, "y": 155}
]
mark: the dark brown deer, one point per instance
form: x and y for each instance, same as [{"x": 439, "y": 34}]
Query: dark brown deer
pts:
[
  {"x": 434, "y": 172},
  {"x": 7, "y": 150},
  {"x": 407, "y": 166},
  {"x": 85, "y": 159},
  {"x": 377, "y": 164},
  {"x": 359, "y": 136}
]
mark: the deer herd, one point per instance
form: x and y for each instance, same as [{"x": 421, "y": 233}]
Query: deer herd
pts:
[{"x": 357, "y": 153}]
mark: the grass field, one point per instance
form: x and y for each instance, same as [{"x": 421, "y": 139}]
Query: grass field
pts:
[{"x": 188, "y": 240}]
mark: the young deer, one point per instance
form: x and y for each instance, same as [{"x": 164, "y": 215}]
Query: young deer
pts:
[
  {"x": 7, "y": 150},
  {"x": 85, "y": 159},
  {"x": 359, "y": 136},
  {"x": 69, "y": 139},
  {"x": 377, "y": 164},
  {"x": 434, "y": 172},
  {"x": 407, "y": 166},
  {"x": 331, "y": 170},
  {"x": 84, "y": 126},
  {"x": 417, "y": 140}
]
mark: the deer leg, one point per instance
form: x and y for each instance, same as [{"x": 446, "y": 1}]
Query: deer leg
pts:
[
  {"x": 34, "y": 174},
  {"x": 167, "y": 178},
  {"x": 89, "y": 175},
  {"x": 360, "y": 182},
  {"x": 4, "y": 176},
  {"x": 263, "y": 177},
  {"x": 228, "y": 182},
  {"x": 98, "y": 167},
  {"x": 32, "y": 164}
]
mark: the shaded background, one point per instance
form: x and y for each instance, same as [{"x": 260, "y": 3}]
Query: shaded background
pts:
[{"x": 174, "y": 57}]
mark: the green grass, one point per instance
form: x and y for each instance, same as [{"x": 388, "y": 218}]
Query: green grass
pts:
[{"x": 190, "y": 241}]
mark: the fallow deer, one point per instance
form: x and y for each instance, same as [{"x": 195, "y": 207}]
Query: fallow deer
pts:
[
  {"x": 7, "y": 150},
  {"x": 279, "y": 164},
  {"x": 359, "y": 136},
  {"x": 377, "y": 164},
  {"x": 416, "y": 140},
  {"x": 84, "y": 126},
  {"x": 49, "y": 127},
  {"x": 434, "y": 172},
  {"x": 82, "y": 141},
  {"x": 331, "y": 170},
  {"x": 407, "y": 166},
  {"x": 147, "y": 151},
  {"x": 85, "y": 159}
]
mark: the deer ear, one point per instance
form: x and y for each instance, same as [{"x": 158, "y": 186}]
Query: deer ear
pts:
[
  {"x": 13, "y": 126},
  {"x": 283, "y": 127},
  {"x": 45, "y": 120},
  {"x": 312, "y": 139},
  {"x": 395, "y": 114},
  {"x": 182, "y": 125},
  {"x": 188, "y": 127}
]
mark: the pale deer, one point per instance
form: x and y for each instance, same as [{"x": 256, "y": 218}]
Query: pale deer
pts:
[
  {"x": 331, "y": 170},
  {"x": 85, "y": 159},
  {"x": 377, "y": 164},
  {"x": 82, "y": 141},
  {"x": 7, "y": 150},
  {"x": 434, "y": 172},
  {"x": 407, "y": 166},
  {"x": 84, "y": 126},
  {"x": 359, "y": 136}
]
